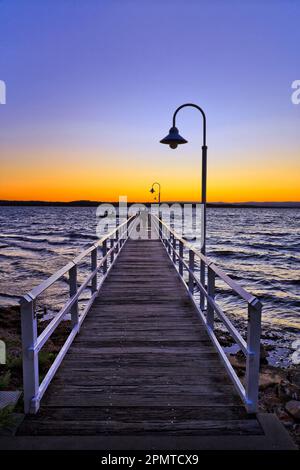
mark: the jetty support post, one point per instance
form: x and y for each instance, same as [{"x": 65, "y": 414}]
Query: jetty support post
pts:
[
  {"x": 112, "y": 252},
  {"x": 30, "y": 355},
  {"x": 191, "y": 271},
  {"x": 170, "y": 242},
  {"x": 160, "y": 233},
  {"x": 117, "y": 240},
  {"x": 73, "y": 292},
  {"x": 180, "y": 258},
  {"x": 104, "y": 251},
  {"x": 253, "y": 356},
  {"x": 211, "y": 294},
  {"x": 174, "y": 249},
  {"x": 93, "y": 268}
]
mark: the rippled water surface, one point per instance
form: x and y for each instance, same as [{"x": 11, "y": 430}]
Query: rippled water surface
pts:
[{"x": 258, "y": 247}]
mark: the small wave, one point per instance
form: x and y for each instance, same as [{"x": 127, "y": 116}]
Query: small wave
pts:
[
  {"x": 58, "y": 243},
  {"x": 31, "y": 248},
  {"x": 81, "y": 235},
  {"x": 10, "y": 296},
  {"x": 239, "y": 254},
  {"x": 268, "y": 246},
  {"x": 222, "y": 253},
  {"x": 294, "y": 282},
  {"x": 58, "y": 233},
  {"x": 287, "y": 300},
  {"x": 264, "y": 234},
  {"x": 275, "y": 296},
  {"x": 7, "y": 256},
  {"x": 9, "y": 300},
  {"x": 3, "y": 245},
  {"x": 14, "y": 241},
  {"x": 23, "y": 238}
]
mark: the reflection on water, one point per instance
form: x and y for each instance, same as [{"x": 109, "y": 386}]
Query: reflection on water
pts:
[{"x": 259, "y": 248}]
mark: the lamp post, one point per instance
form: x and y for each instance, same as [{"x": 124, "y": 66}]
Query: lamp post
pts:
[
  {"x": 173, "y": 139},
  {"x": 152, "y": 190}
]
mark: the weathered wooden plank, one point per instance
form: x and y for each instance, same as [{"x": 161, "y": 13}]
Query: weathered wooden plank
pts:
[
  {"x": 101, "y": 377},
  {"x": 148, "y": 335},
  {"x": 138, "y": 325},
  {"x": 124, "y": 361},
  {"x": 157, "y": 348},
  {"x": 132, "y": 396},
  {"x": 169, "y": 427},
  {"x": 139, "y": 413}
]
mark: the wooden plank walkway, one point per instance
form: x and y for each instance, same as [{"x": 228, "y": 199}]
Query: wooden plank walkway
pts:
[{"x": 142, "y": 364}]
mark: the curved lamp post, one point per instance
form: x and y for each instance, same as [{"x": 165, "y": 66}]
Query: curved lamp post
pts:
[
  {"x": 173, "y": 139},
  {"x": 152, "y": 190}
]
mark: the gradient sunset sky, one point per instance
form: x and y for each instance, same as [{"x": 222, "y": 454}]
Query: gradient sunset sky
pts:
[{"x": 92, "y": 86}]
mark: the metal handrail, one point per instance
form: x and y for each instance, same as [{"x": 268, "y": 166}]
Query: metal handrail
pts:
[
  {"x": 221, "y": 274},
  {"x": 251, "y": 347},
  {"x": 36, "y": 291},
  {"x": 32, "y": 343}
]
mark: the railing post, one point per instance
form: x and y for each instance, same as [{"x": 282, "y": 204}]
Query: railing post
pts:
[
  {"x": 166, "y": 237},
  {"x": 73, "y": 290},
  {"x": 211, "y": 293},
  {"x": 104, "y": 251},
  {"x": 253, "y": 356},
  {"x": 117, "y": 241},
  {"x": 112, "y": 253},
  {"x": 93, "y": 267},
  {"x": 128, "y": 225},
  {"x": 202, "y": 280},
  {"x": 119, "y": 231},
  {"x": 170, "y": 242},
  {"x": 123, "y": 235},
  {"x": 174, "y": 249},
  {"x": 180, "y": 258},
  {"x": 191, "y": 267},
  {"x": 30, "y": 356}
]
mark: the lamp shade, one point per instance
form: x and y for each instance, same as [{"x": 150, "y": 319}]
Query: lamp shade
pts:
[
  {"x": 152, "y": 190},
  {"x": 173, "y": 138}
]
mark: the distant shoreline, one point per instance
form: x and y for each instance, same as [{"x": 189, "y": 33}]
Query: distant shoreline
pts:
[{"x": 243, "y": 205}]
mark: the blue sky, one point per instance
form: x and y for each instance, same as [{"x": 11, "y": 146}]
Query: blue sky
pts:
[{"x": 98, "y": 81}]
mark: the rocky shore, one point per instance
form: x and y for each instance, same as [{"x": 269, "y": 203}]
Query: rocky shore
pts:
[{"x": 279, "y": 387}]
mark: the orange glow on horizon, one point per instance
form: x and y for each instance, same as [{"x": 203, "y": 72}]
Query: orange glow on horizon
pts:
[{"x": 59, "y": 179}]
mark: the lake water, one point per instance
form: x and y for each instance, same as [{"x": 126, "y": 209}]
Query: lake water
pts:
[{"x": 259, "y": 248}]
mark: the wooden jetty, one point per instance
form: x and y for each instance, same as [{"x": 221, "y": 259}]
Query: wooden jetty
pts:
[{"x": 142, "y": 370}]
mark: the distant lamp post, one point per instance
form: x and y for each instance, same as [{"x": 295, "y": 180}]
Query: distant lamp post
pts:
[
  {"x": 173, "y": 139},
  {"x": 152, "y": 190}
]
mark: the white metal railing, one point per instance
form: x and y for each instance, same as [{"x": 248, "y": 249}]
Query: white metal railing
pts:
[
  {"x": 207, "y": 308},
  {"x": 32, "y": 343}
]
